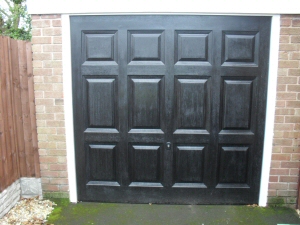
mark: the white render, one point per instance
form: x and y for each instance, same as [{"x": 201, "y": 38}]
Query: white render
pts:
[{"x": 167, "y": 6}]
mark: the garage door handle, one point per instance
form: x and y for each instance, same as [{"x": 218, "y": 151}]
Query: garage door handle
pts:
[{"x": 168, "y": 145}]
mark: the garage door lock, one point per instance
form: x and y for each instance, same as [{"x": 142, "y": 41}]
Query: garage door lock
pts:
[{"x": 168, "y": 145}]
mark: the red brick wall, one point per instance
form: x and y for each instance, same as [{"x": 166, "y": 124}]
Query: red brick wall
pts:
[{"x": 285, "y": 157}]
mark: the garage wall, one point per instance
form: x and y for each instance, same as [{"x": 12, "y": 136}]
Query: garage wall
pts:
[
  {"x": 50, "y": 113},
  {"x": 286, "y": 152},
  {"x": 47, "y": 64}
]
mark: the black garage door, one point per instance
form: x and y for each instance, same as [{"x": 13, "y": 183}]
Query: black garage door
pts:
[{"x": 169, "y": 109}]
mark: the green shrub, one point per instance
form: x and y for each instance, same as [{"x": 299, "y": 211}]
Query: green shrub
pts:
[{"x": 14, "y": 20}]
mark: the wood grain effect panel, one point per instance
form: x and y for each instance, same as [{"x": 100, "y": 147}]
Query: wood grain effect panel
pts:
[
  {"x": 145, "y": 103},
  {"x": 233, "y": 166},
  {"x": 192, "y": 109},
  {"x": 192, "y": 46},
  {"x": 145, "y": 165},
  {"x": 102, "y": 105},
  {"x": 237, "y": 102},
  {"x": 102, "y": 162},
  {"x": 146, "y": 45},
  {"x": 161, "y": 63},
  {"x": 189, "y": 164},
  {"x": 240, "y": 48},
  {"x": 100, "y": 46}
]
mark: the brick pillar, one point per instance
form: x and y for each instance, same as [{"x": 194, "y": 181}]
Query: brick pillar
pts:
[
  {"x": 47, "y": 71},
  {"x": 285, "y": 157}
]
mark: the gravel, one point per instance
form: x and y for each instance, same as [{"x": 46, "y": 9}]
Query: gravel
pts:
[{"x": 30, "y": 211}]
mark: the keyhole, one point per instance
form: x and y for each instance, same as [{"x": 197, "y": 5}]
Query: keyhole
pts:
[{"x": 168, "y": 145}]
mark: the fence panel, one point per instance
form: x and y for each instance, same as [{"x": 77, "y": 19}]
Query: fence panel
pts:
[{"x": 18, "y": 135}]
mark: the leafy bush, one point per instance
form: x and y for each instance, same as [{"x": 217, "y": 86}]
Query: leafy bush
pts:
[{"x": 14, "y": 20}]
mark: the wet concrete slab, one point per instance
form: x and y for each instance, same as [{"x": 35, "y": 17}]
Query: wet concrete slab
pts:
[{"x": 109, "y": 213}]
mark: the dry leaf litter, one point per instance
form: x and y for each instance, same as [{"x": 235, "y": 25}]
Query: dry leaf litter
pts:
[{"x": 29, "y": 211}]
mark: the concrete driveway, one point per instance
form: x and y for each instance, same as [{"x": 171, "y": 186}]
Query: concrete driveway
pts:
[{"x": 107, "y": 213}]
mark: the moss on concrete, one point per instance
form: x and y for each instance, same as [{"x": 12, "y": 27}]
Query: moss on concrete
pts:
[
  {"x": 48, "y": 195},
  {"x": 276, "y": 202},
  {"x": 61, "y": 204},
  {"x": 107, "y": 213}
]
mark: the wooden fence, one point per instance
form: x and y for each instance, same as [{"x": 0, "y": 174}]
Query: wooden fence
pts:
[{"x": 18, "y": 135}]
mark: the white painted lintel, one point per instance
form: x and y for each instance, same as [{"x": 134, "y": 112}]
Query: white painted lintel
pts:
[{"x": 166, "y": 6}]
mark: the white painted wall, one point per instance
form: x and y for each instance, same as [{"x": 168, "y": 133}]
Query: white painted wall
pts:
[{"x": 164, "y": 6}]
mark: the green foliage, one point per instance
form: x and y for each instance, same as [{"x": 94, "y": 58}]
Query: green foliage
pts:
[{"x": 15, "y": 21}]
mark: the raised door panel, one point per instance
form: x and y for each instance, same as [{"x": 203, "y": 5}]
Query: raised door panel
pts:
[
  {"x": 102, "y": 103},
  {"x": 193, "y": 52},
  {"x": 240, "y": 48},
  {"x": 145, "y": 103},
  {"x": 100, "y": 50},
  {"x": 192, "y": 106},
  {"x": 233, "y": 166},
  {"x": 237, "y": 104},
  {"x": 145, "y": 165},
  {"x": 100, "y": 47},
  {"x": 145, "y": 46},
  {"x": 192, "y": 46},
  {"x": 189, "y": 166},
  {"x": 102, "y": 164}
]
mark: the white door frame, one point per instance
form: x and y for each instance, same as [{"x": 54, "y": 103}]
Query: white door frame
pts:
[{"x": 270, "y": 112}]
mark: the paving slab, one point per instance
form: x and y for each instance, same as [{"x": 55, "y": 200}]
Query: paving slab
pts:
[{"x": 110, "y": 213}]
